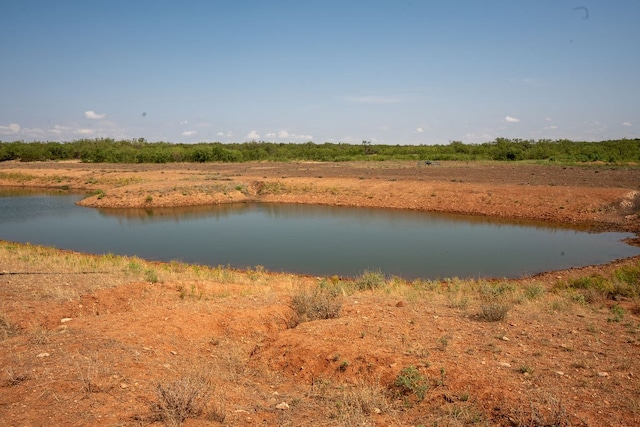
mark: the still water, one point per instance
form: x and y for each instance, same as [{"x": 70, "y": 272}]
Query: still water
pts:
[{"x": 317, "y": 240}]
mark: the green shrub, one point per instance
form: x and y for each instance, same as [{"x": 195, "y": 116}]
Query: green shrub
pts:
[
  {"x": 411, "y": 381},
  {"x": 534, "y": 291},
  {"x": 370, "y": 280}
]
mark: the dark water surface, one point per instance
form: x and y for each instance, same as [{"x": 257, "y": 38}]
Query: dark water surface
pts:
[{"x": 318, "y": 240}]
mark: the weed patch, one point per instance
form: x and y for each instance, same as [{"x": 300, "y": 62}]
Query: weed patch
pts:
[
  {"x": 410, "y": 382},
  {"x": 369, "y": 280}
]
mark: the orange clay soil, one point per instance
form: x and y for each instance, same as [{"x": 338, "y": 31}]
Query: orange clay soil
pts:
[{"x": 86, "y": 340}]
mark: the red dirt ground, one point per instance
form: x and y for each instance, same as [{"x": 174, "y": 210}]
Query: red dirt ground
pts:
[{"x": 554, "y": 360}]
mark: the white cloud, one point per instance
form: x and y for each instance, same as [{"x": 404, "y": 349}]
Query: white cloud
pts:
[
  {"x": 252, "y": 135},
  {"x": 184, "y": 122},
  {"x": 552, "y": 127},
  {"x": 228, "y": 134},
  {"x": 57, "y": 129},
  {"x": 283, "y": 134},
  {"x": 419, "y": 130},
  {"x": 189, "y": 132},
  {"x": 510, "y": 119},
  {"x": 82, "y": 131},
  {"x": 11, "y": 129},
  {"x": 628, "y": 124},
  {"x": 92, "y": 115}
]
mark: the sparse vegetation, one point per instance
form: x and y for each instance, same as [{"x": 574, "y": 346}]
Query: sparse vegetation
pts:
[
  {"x": 370, "y": 280},
  {"x": 410, "y": 381},
  {"x": 7, "y": 327},
  {"x": 321, "y": 302},
  {"x": 184, "y": 398},
  {"x": 493, "y": 311}
]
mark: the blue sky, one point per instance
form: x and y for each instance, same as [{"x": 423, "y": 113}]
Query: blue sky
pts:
[{"x": 392, "y": 72}]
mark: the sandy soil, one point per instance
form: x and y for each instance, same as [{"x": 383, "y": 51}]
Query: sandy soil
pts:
[{"x": 90, "y": 344}]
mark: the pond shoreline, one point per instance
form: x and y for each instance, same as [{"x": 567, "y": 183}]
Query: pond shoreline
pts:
[{"x": 600, "y": 197}]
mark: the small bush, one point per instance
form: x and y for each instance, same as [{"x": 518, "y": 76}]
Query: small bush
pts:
[
  {"x": 370, "y": 280},
  {"x": 534, "y": 291},
  {"x": 411, "y": 381},
  {"x": 151, "y": 276},
  {"x": 493, "y": 311},
  {"x": 181, "y": 399},
  {"x": 323, "y": 302}
]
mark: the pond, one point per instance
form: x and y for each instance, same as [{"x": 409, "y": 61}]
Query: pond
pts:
[{"x": 308, "y": 239}]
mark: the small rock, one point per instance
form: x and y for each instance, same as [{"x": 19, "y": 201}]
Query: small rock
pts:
[
  {"x": 43, "y": 355},
  {"x": 603, "y": 374},
  {"x": 65, "y": 319},
  {"x": 282, "y": 406},
  {"x": 560, "y": 373},
  {"x": 175, "y": 353},
  {"x": 505, "y": 338},
  {"x": 377, "y": 411},
  {"x": 400, "y": 304},
  {"x": 123, "y": 385},
  {"x": 505, "y": 364}
]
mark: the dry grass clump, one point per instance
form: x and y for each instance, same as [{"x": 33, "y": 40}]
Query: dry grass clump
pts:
[
  {"x": 493, "y": 311},
  {"x": 496, "y": 301},
  {"x": 317, "y": 303},
  {"x": 352, "y": 404},
  {"x": 15, "y": 377},
  {"x": 8, "y": 329},
  {"x": 186, "y": 397}
]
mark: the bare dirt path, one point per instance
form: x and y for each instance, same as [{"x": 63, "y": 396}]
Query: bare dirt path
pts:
[{"x": 88, "y": 341}]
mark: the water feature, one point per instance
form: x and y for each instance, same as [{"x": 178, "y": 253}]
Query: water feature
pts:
[{"x": 317, "y": 240}]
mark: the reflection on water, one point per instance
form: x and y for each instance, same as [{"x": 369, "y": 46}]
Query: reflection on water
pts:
[
  {"x": 174, "y": 214},
  {"x": 320, "y": 240}
]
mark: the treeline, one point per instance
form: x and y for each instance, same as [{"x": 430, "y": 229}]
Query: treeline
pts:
[{"x": 139, "y": 151}]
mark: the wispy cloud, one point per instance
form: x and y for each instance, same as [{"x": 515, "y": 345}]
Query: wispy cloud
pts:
[
  {"x": 628, "y": 124},
  {"x": 83, "y": 131},
  {"x": 420, "y": 130},
  {"x": 184, "y": 122},
  {"x": 10, "y": 129},
  {"x": 189, "y": 132},
  {"x": 510, "y": 119},
  {"x": 93, "y": 115}
]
